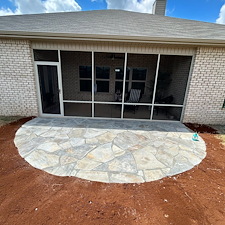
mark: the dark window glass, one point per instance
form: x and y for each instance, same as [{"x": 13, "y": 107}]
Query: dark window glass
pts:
[
  {"x": 137, "y": 112},
  {"x": 119, "y": 73},
  {"x": 107, "y": 111},
  {"x": 167, "y": 113},
  {"x": 102, "y": 86},
  {"x": 85, "y": 85},
  {"x": 48, "y": 79},
  {"x": 119, "y": 86},
  {"x": 138, "y": 85},
  {"x": 102, "y": 72},
  {"x": 139, "y": 74},
  {"x": 224, "y": 104},
  {"x": 77, "y": 109},
  {"x": 46, "y": 55},
  {"x": 85, "y": 71}
]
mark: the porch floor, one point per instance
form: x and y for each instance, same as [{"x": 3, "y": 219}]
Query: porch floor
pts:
[{"x": 110, "y": 151}]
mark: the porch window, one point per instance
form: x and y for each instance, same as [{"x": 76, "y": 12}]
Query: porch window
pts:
[
  {"x": 85, "y": 71},
  {"x": 139, "y": 74},
  {"x": 135, "y": 78},
  {"x": 46, "y": 55},
  {"x": 119, "y": 79},
  {"x": 100, "y": 93},
  {"x": 102, "y": 79},
  {"x": 85, "y": 78}
]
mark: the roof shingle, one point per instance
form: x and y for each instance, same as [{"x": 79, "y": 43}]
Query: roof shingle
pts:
[{"x": 111, "y": 23}]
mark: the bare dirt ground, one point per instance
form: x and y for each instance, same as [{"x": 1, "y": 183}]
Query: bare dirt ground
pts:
[{"x": 31, "y": 196}]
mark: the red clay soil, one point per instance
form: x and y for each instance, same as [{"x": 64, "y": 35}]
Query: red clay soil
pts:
[{"x": 31, "y": 196}]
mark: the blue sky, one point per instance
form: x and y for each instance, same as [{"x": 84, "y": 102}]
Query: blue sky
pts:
[{"x": 203, "y": 10}]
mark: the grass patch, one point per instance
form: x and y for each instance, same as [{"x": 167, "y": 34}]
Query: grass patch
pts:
[
  {"x": 222, "y": 138},
  {"x": 8, "y": 119}
]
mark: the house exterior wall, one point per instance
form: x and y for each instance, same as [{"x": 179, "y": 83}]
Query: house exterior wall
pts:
[
  {"x": 206, "y": 92},
  {"x": 17, "y": 81}
]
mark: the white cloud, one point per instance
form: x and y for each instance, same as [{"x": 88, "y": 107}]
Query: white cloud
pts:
[
  {"x": 144, "y": 6},
  {"x": 6, "y": 12},
  {"x": 59, "y": 5},
  {"x": 40, "y": 6},
  {"x": 221, "y": 18}
]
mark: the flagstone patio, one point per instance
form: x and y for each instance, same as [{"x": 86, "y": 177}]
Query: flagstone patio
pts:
[{"x": 111, "y": 151}]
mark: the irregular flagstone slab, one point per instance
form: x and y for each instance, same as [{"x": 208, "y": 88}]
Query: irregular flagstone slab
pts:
[
  {"x": 79, "y": 152},
  {"x": 165, "y": 157},
  {"x": 146, "y": 160},
  {"x": 125, "y": 178},
  {"x": 91, "y": 133},
  {"x": 50, "y": 133},
  {"x": 30, "y": 145},
  {"x": 117, "y": 131},
  {"x": 40, "y": 130},
  {"x": 173, "y": 151},
  {"x": 74, "y": 173},
  {"x": 126, "y": 140},
  {"x": 201, "y": 154},
  {"x": 25, "y": 132},
  {"x": 102, "y": 153},
  {"x": 165, "y": 171},
  {"x": 103, "y": 167},
  {"x": 41, "y": 159},
  {"x": 158, "y": 143},
  {"x": 191, "y": 157},
  {"x": 24, "y": 139},
  {"x": 49, "y": 147},
  {"x": 106, "y": 138},
  {"x": 65, "y": 145},
  {"x": 149, "y": 148},
  {"x": 151, "y": 175},
  {"x": 181, "y": 164},
  {"x": 92, "y": 141},
  {"x": 65, "y": 170},
  {"x": 77, "y": 133},
  {"x": 124, "y": 163},
  {"x": 93, "y": 175},
  {"x": 117, "y": 151},
  {"x": 110, "y": 151},
  {"x": 26, "y": 149},
  {"x": 65, "y": 159},
  {"x": 77, "y": 141},
  {"x": 61, "y": 136},
  {"x": 86, "y": 164}
]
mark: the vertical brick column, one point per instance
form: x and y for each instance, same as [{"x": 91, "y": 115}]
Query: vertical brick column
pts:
[
  {"x": 206, "y": 93},
  {"x": 17, "y": 81}
]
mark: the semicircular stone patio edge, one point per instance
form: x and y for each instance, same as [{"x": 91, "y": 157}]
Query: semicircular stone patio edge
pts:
[{"x": 109, "y": 151}]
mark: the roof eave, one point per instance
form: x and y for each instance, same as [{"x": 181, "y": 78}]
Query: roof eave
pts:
[{"x": 114, "y": 38}]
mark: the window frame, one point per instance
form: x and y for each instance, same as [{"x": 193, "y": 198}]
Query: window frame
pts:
[
  {"x": 102, "y": 79},
  {"x": 84, "y": 79},
  {"x": 130, "y": 80}
]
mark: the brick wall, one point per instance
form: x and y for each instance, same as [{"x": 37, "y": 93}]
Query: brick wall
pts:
[
  {"x": 207, "y": 88},
  {"x": 17, "y": 81}
]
